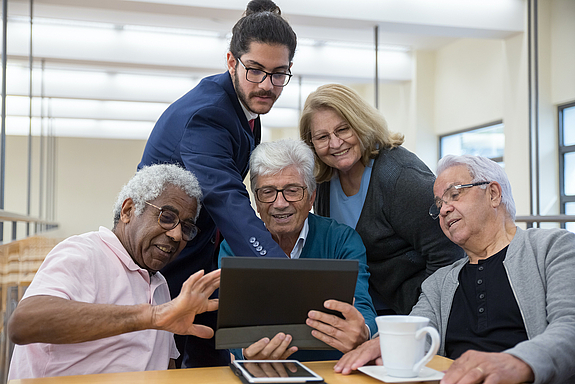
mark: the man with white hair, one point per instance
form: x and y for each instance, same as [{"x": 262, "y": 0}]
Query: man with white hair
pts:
[
  {"x": 283, "y": 182},
  {"x": 98, "y": 303},
  {"x": 506, "y": 312}
]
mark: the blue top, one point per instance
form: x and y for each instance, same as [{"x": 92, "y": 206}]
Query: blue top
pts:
[
  {"x": 346, "y": 209},
  {"x": 328, "y": 239}
]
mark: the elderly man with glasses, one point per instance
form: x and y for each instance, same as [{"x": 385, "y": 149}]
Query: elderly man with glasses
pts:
[
  {"x": 283, "y": 182},
  {"x": 98, "y": 303},
  {"x": 506, "y": 312}
]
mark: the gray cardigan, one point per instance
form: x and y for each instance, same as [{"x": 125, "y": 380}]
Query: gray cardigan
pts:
[
  {"x": 540, "y": 265},
  {"x": 404, "y": 245}
]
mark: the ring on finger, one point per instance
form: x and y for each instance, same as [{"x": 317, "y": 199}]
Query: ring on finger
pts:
[{"x": 480, "y": 370}]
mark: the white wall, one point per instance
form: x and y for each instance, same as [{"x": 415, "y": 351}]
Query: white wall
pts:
[
  {"x": 90, "y": 174},
  {"x": 562, "y": 26},
  {"x": 469, "y": 84}
]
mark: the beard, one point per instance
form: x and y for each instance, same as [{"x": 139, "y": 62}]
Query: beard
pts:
[{"x": 245, "y": 99}]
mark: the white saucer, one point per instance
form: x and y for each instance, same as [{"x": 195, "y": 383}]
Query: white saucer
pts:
[{"x": 380, "y": 373}]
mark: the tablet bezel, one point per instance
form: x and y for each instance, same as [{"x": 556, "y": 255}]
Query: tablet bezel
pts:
[{"x": 260, "y": 297}]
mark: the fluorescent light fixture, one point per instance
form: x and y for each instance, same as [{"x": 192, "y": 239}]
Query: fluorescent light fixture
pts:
[
  {"x": 354, "y": 45},
  {"x": 173, "y": 31},
  {"x": 62, "y": 22},
  {"x": 126, "y": 27},
  {"x": 381, "y": 47},
  {"x": 86, "y": 128}
]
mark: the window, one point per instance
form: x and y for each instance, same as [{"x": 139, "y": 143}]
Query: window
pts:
[
  {"x": 567, "y": 160},
  {"x": 487, "y": 140}
]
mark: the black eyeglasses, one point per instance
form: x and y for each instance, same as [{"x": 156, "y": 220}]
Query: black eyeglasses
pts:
[
  {"x": 450, "y": 195},
  {"x": 257, "y": 76},
  {"x": 291, "y": 194},
  {"x": 169, "y": 220}
]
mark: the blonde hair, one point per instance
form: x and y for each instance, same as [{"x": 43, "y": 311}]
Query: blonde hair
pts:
[{"x": 367, "y": 123}]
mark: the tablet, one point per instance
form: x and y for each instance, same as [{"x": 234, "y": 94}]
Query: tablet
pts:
[
  {"x": 274, "y": 371},
  {"x": 260, "y": 297}
]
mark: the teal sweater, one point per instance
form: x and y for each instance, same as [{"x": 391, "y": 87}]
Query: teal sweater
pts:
[{"x": 328, "y": 239}]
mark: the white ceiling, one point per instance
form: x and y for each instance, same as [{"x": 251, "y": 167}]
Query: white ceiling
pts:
[
  {"x": 161, "y": 38},
  {"x": 409, "y": 24}
]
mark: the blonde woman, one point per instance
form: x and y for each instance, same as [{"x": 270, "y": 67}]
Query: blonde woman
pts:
[{"x": 368, "y": 181}]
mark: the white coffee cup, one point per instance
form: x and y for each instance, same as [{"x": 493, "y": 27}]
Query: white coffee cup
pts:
[{"x": 402, "y": 342}]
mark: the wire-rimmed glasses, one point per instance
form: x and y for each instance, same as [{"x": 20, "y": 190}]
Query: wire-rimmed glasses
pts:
[
  {"x": 450, "y": 195},
  {"x": 321, "y": 140},
  {"x": 170, "y": 220}
]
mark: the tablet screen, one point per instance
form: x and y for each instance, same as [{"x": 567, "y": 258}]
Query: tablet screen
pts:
[{"x": 260, "y": 371}]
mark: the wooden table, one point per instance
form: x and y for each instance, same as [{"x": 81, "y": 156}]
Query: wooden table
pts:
[{"x": 214, "y": 375}]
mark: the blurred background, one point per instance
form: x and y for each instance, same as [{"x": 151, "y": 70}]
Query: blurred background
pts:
[{"x": 87, "y": 79}]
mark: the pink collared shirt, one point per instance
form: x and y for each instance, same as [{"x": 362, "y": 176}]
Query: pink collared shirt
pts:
[{"x": 95, "y": 268}]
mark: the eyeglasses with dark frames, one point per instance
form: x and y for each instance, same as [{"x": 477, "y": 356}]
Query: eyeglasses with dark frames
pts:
[
  {"x": 450, "y": 195},
  {"x": 291, "y": 194},
  {"x": 170, "y": 220},
  {"x": 257, "y": 76}
]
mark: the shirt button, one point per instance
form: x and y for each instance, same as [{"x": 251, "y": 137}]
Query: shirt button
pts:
[
  {"x": 481, "y": 310},
  {"x": 256, "y": 243},
  {"x": 480, "y": 268},
  {"x": 479, "y": 281},
  {"x": 252, "y": 239},
  {"x": 482, "y": 296},
  {"x": 259, "y": 248},
  {"x": 263, "y": 252}
]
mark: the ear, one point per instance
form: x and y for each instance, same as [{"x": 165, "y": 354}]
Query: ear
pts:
[
  {"x": 495, "y": 194},
  {"x": 128, "y": 210},
  {"x": 312, "y": 199},
  {"x": 231, "y": 62}
]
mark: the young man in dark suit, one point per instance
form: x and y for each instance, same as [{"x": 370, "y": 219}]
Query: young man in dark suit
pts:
[{"x": 211, "y": 131}]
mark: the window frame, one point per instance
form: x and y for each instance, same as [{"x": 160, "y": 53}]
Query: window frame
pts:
[
  {"x": 486, "y": 125},
  {"x": 563, "y": 149}
]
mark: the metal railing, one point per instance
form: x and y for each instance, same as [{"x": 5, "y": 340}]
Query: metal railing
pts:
[
  {"x": 530, "y": 220},
  {"x": 39, "y": 225}
]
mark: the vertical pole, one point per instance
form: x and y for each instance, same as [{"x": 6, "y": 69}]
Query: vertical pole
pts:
[
  {"x": 299, "y": 99},
  {"x": 31, "y": 64},
  {"x": 376, "y": 31},
  {"x": 41, "y": 168},
  {"x": 3, "y": 131},
  {"x": 533, "y": 81},
  {"x": 536, "y": 103}
]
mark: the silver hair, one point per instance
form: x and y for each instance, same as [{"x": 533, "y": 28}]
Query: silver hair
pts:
[
  {"x": 272, "y": 157},
  {"x": 483, "y": 169},
  {"x": 149, "y": 183}
]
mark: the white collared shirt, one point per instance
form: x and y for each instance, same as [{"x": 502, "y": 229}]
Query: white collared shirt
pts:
[
  {"x": 249, "y": 114},
  {"x": 299, "y": 244}
]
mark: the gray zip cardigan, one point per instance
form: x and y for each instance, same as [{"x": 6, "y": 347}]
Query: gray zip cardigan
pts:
[{"x": 540, "y": 265}]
